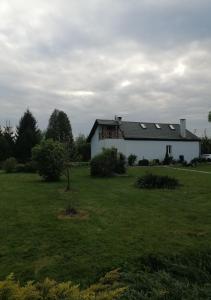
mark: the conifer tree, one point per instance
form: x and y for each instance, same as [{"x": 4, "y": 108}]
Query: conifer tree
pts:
[
  {"x": 9, "y": 136},
  {"x": 59, "y": 129},
  {"x": 3, "y": 146},
  {"x": 28, "y": 135},
  {"x": 6, "y": 142}
]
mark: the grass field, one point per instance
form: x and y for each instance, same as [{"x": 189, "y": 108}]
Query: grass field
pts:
[{"x": 123, "y": 223}]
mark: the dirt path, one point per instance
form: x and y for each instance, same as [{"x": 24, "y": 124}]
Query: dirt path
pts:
[{"x": 188, "y": 170}]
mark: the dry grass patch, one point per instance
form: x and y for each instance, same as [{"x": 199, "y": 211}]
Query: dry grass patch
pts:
[{"x": 73, "y": 214}]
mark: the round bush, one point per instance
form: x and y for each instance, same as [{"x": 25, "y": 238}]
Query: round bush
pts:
[
  {"x": 143, "y": 162},
  {"x": 108, "y": 163},
  {"x": 29, "y": 167},
  {"x": 104, "y": 163},
  {"x": 131, "y": 159},
  {"x": 50, "y": 159},
  {"x": 20, "y": 168},
  {"x": 10, "y": 165},
  {"x": 152, "y": 181}
]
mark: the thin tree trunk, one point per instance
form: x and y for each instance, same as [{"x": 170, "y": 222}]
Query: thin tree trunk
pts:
[{"x": 68, "y": 179}]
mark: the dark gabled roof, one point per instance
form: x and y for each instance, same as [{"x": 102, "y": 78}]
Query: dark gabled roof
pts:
[{"x": 134, "y": 131}]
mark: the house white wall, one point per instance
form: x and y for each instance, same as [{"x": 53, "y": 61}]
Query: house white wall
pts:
[
  {"x": 146, "y": 148},
  {"x": 95, "y": 145}
]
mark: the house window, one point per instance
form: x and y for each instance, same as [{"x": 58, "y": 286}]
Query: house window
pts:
[
  {"x": 169, "y": 150},
  {"x": 109, "y": 132},
  {"x": 157, "y": 126}
]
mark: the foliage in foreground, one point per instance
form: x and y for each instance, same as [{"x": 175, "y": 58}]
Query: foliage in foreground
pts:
[
  {"x": 107, "y": 163},
  {"x": 152, "y": 181},
  {"x": 108, "y": 288},
  {"x": 50, "y": 159},
  {"x": 176, "y": 277}
]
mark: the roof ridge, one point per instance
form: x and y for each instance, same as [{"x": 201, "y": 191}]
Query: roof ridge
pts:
[
  {"x": 125, "y": 121},
  {"x": 169, "y": 123}
]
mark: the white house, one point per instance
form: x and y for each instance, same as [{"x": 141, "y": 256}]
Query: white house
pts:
[{"x": 145, "y": 140}]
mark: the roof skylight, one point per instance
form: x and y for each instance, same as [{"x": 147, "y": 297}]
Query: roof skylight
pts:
[
  {"x": 157, "y": 126},
  {"x": 171, "y": 127},
  {"x": 143, "y": 125}
]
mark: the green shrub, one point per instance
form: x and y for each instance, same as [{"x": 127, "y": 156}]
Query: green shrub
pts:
[
  {"x": 108, "y": 288},
  {"x": 131, "y": 159},
  {"x": 120, "y": 167},
  {"x": 104, "y": 163},
  {"x": 151, "y": 181},
  {"x": 29, "y": 167},
  {"x": 82, "y": 149},
  {"x": 80, "y": 164},
  {"x": 173, "y": 277},
  {"x": 49, "y": 157},
  {"x": 156, "y": 161},
  {"x": 143, "y": 162},
  {"x": 20, "y": 168},
  {"x": 9, "y": 165},
  {"x": 195, "y": 160},
  {"x": 181, "y": 158},
  {"x": 108, "y": 163},
  {"x": 185, "y": 163},
  {"x": 168, "y": 159}
]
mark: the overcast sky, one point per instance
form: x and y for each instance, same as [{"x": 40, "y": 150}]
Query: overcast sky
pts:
[{"x": 147, "y": 60}]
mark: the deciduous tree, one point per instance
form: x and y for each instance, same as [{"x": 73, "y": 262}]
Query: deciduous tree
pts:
[{"x": 83, "y": 148}]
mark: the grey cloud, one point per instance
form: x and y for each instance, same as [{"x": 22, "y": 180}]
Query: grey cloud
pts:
[{"x": 143, "y": 59}]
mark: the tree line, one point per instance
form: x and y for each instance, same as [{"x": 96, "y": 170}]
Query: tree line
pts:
[{"x": 18, "y": 142}]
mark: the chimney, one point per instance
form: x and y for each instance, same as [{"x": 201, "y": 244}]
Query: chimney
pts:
[
  {"x": 183, "y": 128},
  {"x": 118, "y": 119}
]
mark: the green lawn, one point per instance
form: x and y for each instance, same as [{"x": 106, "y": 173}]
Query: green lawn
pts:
[{"x": 124, "y": 223}]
